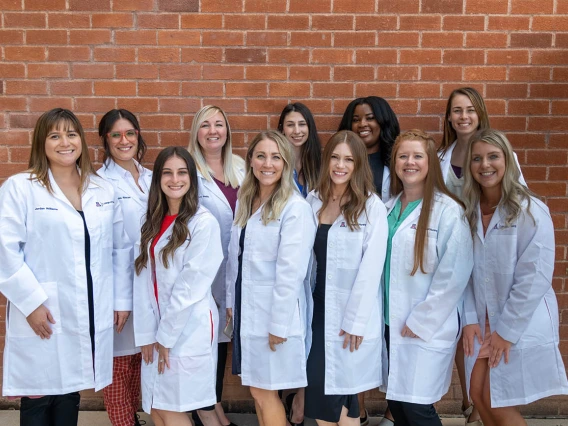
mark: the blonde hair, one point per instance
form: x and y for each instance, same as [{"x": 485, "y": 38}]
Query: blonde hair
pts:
[
  {"x": 433, "y": 183},
  {"x": 513, "y": 193},
  {"x": 250, "y": 188},
  {"x": 232, "y": 164}
]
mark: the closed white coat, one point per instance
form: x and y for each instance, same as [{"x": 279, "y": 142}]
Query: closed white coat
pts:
[
  {"x": 274, "y": 288},
  {"x": 420, "y": 369},
  {"x": 512, "y": 284},
  {"x": 183, "y": 320},
  {"x": 134, "y": 203},
  {"x": 354, "y": 298},
  {"x": 42, "y": 253},
  {"x": 211, "y": 197}
]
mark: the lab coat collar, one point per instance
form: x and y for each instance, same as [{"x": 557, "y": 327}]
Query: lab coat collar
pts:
[
  {"x": 119, "y": 176},
  {"x": 412, "y": 216},
  {"x": 446, "y": 160},
  {"x": 58, "y": 193},
  {"x": 212, "y": 186},
  {"x": 495, "y": 220}
]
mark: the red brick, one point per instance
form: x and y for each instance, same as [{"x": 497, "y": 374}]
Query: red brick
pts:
[
  {"x": 509, "y": 123},
  {"x": 464, "y": 23},
  {"x": 441, "y": 73},
  {"x": 398, "y": 39},
  {"x": 95, "y": 104},
  {"x": 225, "y": 6},
  {"x": 10, "y": 5},
  {"x": 202, "y": 21},
  {"x": 424, "y": 56},
  {"x": 163, "y": 20},
  {"x": 562, "y": 7},
  {"x": 197, "y": 88},
  {"x": 547, "y": 124},
  {"x": 43, "y": 70},
  {"x": 248, "y": 122},
  {"x": 180, "y": 72},
  {"x": 25, "y": 20},
  {"x": 288, "y": 22},
  {"x": 353, "y": 73},
  {"x": 181, "y": 38},
  {"x": 332, "y": 56},
  {"x": 23, "y": 121},
  {"x": 333, "y": 90},
  {"x": 45, "y": 104},
  {"x": 24, "y": 53},
  {"x": 465, "y": 56},
  {"x": 531, "y": 40},
  {"x": 547, "y": 157},
  {"x": 14, "y": 138},
  {"x": 486, "y": 39},
  {"x": 314, "y": 6},
  {"x": 559, "y": 107},
  {"x": 550, "y": 57},
  {"x": 442, "y": 6},
  {"x": 184, "y": 105},
  {"x": 69, "y": 53},
  {"x": 530, "y": 7},
  {"x": 245, "y": 22},
  {"x": 12, "y": 104},
  {"x": 266, "y": 38},
  {"x": 485, "y": 73},
  {"x": 45, "y": 4},
  {"x": 247, "y": 89},
  {"x": 245, "y": 55},
  {"x": 158, "y": 54},
  {"x": 138, "y": 105},
  {"x": 202, "y": 54},
  {"x": 353, "y": 6},
  {"x": 46, "y": 37},
  {"x": 115, "y": 88},
  {"x": 289, "y": 56},
  {"x": 312, "y": 39},
  {"x": 228, "y": 105},
  {"x": 22, "y": 154},
  {"x": 419, "y": 90},
  {"x": 133, "y": 5},
  {"x": 376, "y": 23},
  {"x": 92, "y": 71},
  {"x": 222, "y": 38},
  {"x": 507, "y": 90},
  {"x": 399, "y": 7},
  {"x": 265, "y": 6},
  {"x": 376, "y": 56},
  {"x": 264, "y": 105},
  {"x": 507, "y": 57},
  {"x": 71, "y": 87},
  {"x": 178, "y": 5},
  {"x": 68, "y": 20},
  {"x": 404, "y": 106},
  {"x": 332, "y": 22},
  {"x": 429, "y": 124},
  {"x": 529, "y": 73},
  {"x": 8, "y": 170},
  {"x": 223, "y": 72},
  {"x": 486, "y": 7},
  {"x": 508, "y": 23},
  {"x": 266, "y": 72},
  {"x": 395, "y": 73},
  {"x": 289, "y": 89},
  {"x": 442, "y": 39},
  {"x": 428, "y": 106},
  {"x": 529, "y": 141},
  {"x": 25, "y": 87},
  {"x": 89, "y": 5},
  {"x": 147, "y": 37},
  {"x": 112, "y": 20},
  {"x": 310, "y": 73},
  {"x": 360, "y": 38},
  {"x": 160, "y": 88},
  {"x": 137, "y": 71},
  {"x": 95, "y": 37},
  {"x": 420, "y": 22},
  {"x": 561, "y": 40},
  {"x": 558, "y": 173},
  {"x": 528, "y": 107},
  {"x": 560, "y": 74},
  {"x": 11, "y": 37},
  {"x": 162, "y": 121},
  {"x": 385, "y": 90}
]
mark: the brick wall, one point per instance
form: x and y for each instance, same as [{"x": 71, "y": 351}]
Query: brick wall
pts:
[{"x": 164, "y": 59}]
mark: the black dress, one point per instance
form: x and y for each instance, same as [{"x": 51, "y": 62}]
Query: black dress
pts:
[
  {"x": 236, "y": 361},
  {"x": 318, "y": 405}
]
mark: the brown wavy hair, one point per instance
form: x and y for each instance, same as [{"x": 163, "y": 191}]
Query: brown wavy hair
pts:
[
  {"x": 433, "y": 183},
  {"x": 360, "y": 185},
  {"x": 158, "y": 208}
]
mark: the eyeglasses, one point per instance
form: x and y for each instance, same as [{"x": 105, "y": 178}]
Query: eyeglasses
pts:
[{"x": 130, "y": 135}]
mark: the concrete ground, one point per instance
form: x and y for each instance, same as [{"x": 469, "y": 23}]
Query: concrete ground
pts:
[{"x": 99, "y": 418}]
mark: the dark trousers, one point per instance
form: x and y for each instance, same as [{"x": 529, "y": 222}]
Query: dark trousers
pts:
[
  {"x": 50, "y": 410},
  {"x": 409, "y": 414}
]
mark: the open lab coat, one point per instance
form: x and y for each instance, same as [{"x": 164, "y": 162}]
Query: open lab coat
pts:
[
  {"x": 183, "y": 319},
  {"x": 42, "y": 253},
  {"x": 354, "y": 298},
  {"x": 512, "y": 285},
  {"x": 211, "y": 197},
  {"x": 134, "y": 204},
  {"x": 420, "y": 369},
  {"x": 274, "y": 288}
]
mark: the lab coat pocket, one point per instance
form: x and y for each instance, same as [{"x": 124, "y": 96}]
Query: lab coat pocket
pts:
[
  {"x": 106, "y": 225},
  {"x": 540, "y": 330},
  {"x": 505, "y": 254},
  {"x": 266, "y": 243},
  {"x": 262, "y": 303},
  {"x": 351, "y": 249},
  {"x": 430, "y": 254},
  {"x": 448, "y": 333}
]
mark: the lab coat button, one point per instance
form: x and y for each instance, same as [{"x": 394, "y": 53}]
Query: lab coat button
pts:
[
  {"x": 492, "y": 314},
  {"x": 486, "y": 280},
  {"x": 329, "y": 276}
]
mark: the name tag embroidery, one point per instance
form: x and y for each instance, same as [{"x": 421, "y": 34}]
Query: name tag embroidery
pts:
[
  {"x": 46, "y": 208},
  {"x": 104, "y": 203}
]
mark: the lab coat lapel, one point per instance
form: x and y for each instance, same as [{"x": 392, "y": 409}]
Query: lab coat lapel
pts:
[
  {"x": 214, "y": 189},
  {"x": 114, "y": 172},
  {"x": 411, "y": 217}
]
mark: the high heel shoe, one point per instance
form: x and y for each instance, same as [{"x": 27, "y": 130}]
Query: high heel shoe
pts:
[{"x": 289, "y": 412}]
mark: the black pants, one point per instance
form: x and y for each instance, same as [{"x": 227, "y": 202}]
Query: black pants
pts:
[
  {"x": 409, "y": 414},
  {"x": 50, "y": 410}
]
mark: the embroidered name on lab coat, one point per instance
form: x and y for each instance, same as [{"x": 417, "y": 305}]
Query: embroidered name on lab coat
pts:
[
  {"x": 46, "y": 208},
  {"x": 413, "y": 226},
  {"x": 123, "y": 198},
  {"x": 104, "y": 203},
  {"x": 499, "y": 226}
]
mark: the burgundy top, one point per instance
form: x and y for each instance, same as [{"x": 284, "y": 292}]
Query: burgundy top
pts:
[
  {"x": 457, "y": 171},
  {"x": 229, "y": 192},
  {"x": 168, "y": 220}
]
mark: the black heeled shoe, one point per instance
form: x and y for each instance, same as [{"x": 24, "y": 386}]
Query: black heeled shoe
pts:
[{"x": 289, "y": 413}]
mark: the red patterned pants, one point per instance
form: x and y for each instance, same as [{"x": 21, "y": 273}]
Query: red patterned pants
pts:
[{"x": 122, "y": 397}]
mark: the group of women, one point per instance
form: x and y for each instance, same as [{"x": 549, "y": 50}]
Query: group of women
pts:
[{"x": 331, "y": 272}]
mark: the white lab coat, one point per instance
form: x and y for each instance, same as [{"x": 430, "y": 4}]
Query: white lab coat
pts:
[
  {"x": 353, "y": 298},
  {"x": 211, "y": 197},
  {"x": 512, "y": 284},
  {"x": 385, "y": 194},
  {"x": 184, "y": 320},
  {"x": 420, "y": 369},
  {"x": 42, "y": 253},
  {"x": 134, "y": 204},
  {"x": 274, "y": 287}
]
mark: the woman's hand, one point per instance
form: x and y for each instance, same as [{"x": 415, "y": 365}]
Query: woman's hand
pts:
[
  {"x": 469, "y": 333},
  {"x": 351, "y": 340},
  {"x": 407, "y": 332},
  {"x": 163, "y": 359},
  {"x": 120, "y": 318},
  {"x": 229, "y": 314},
  {"x": 148, "y": 353},
  {"x": 499, "y": 347},
  {"x": 275, "y": 340},
  {"x": 39, "y": 321}
]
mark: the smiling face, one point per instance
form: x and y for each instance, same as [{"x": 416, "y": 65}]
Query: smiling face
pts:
[
  {"x": 463, "y": 117},
  {"x": 295, "y": 128},
  {"x": 367, "y": 127},
  {"x": 63, "y": 146},
  {"x": 487, "y": 164},
  {"x": 341, "y": 165},
  {"x": 212, "y": 133},
  {"x": 411, "y": 164},
  {"x": 267, "y": 164},
  {"x": 175, "y": 180},
  {"x": 122, "y": 141}
]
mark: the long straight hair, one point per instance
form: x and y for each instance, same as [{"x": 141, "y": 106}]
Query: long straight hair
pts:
[
  {"x": 360, "y": 185},
  {"x": 450, "y": 135},
  {"x": 105, "y": 126},
  {"x": 250, "y": 189},
  {"x": 158, "y": 208},
  {"x": 38, "y": 166},
  {"x": 311, "y": 150},
  {"x": 232, "y": 164},
  {"x": 513, "y": 193},
  {"x": 434, "y": 182}
]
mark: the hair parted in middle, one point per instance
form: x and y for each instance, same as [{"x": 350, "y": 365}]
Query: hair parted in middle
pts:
[
  {"x": 232, "y": 163},
  {"x": 434, "y": 182},
  {"x": 250, "y": 188},
  {"x": 158, "y": 208},
  {"x": 105, "y": 126},
  {"x": 360, "y": 186}
]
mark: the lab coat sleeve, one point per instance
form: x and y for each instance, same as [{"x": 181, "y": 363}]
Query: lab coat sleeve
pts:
[
  {"x": 455, "y": 252},
  {"x": 122, "y": 261},
  {"x": 470, "y": 313},
  {"x": 202, "y": 259},
  {"x": 232, "y": 267},
  {"x": 533, "y": 273},
  {"x": 145, "y": 324},
  {"x": 17, "y": 281},
  {"x": 368, "y": 281},
  {"x": 297, "y": 234}
]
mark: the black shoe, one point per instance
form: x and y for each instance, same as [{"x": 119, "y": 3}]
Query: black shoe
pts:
[{"x": 137, "y": 421}]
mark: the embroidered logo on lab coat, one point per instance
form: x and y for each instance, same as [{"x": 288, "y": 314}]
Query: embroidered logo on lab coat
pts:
[
  {"x": 499, "y": 226},
  {"x": 342, "y": 225}
]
